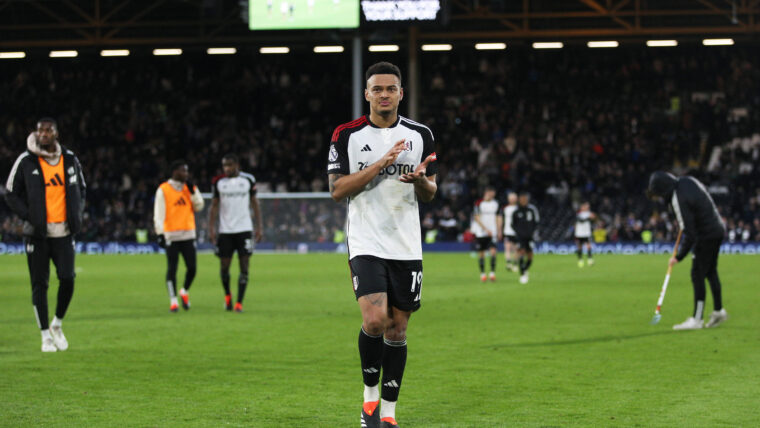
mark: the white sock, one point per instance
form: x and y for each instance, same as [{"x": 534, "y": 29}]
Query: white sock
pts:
[
  {"x": 182, "y": 291},
  {"x": 175, "y": 301},
  {"x": 46, "y": 334},
  {"x": 57, "y": 322},
  {"x": 387, "y": 409},
  {"x": 372, "y": 393}
]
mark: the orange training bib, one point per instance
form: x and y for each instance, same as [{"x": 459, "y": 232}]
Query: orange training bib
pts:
[
  {"x": 179, "y": 208},
  {"x": 55, "y": 190}
]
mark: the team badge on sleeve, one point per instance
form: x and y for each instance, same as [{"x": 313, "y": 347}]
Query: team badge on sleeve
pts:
[{"x": 333, "y": 154}]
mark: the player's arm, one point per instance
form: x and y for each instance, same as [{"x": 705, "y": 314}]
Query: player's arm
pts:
[
  {"x": 16, "y": 191},
  {"x": 213, "y": 215},
  {"x": 425, "y": 174},
  {"x": 259, "y": 228},
  {"x": 159, "y": 212},
  {"x": 197, "y": 199},
  {"x": 348, "y": 185},
  {"x": 425, "y": 185},
  {"x": 80, "y": 181},
  {"x": 687, "y": 223},
  {"x": 499, "y": 227}
]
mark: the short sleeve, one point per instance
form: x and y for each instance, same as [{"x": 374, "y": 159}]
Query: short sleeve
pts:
[
  {"x": 252, "y": 180},
  {"x": 428, "y": 148},
  {"x": 337, "y": 157},
  {"x": 215, "y": 189}
]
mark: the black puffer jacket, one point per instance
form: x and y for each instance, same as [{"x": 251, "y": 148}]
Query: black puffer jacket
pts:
[
  {"x": 693, "y": 206},
  {"x": 26, "y": 193}
]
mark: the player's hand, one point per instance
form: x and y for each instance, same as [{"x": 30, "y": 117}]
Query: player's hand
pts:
[
  {"x": 161, "y": 241},
  {"x": 259, "y": 235},
  {"x": 672, "y": 261},
  {"x": 419, "y": 173},
  {"x": 500, "y": 237},
  {"x": 191, "y": 186},
  {"x": 212, "y": 236},
  {"x": 392, "y": 154},
  {"x": 490, "y": 234}
]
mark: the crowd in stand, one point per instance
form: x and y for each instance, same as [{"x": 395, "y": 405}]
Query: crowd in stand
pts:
[{"x": 567, "y": 126}]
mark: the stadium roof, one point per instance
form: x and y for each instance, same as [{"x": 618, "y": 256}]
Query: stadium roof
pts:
[{"x": 111, "y": 23}]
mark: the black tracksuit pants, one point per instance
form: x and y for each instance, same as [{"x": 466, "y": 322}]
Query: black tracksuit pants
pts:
[
  {"x": 705, "y": 265},
  {"x": 39, "y": 252},
  {"x": 187, "y": 249}
]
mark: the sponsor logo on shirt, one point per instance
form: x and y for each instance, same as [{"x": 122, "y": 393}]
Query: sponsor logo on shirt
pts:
[{"x": 395, "y": 169}]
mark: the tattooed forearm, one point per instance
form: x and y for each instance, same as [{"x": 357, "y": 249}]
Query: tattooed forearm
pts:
[{"x": 331, "y": 179}]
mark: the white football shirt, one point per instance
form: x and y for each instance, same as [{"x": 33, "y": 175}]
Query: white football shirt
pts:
[
  {"x": 383, "y": 220},
  {"x": 583, "y": 224},
  {"x": 488, "y": 210},
  {"x": 235, "y": 195},
  {"x": 508, "y": 211}
]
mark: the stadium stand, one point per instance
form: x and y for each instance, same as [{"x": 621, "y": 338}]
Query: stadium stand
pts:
[{"x": 567, "y": 125}]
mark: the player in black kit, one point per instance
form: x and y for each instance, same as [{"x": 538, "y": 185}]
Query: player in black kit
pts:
[{"x": 524, "y": 222}]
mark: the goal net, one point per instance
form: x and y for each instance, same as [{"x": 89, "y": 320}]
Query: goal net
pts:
[{"x": 293, "y": 221}]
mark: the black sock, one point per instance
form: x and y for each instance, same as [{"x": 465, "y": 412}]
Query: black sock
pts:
[
  {"x": 225, "y": 281},
  {"x": 371, "y": 355},
  {"x": 528, "y": 262},
  {"x": 482, "y": 264},
  {"x": 589, "y": 253},
  {"x": 65, "y": 292},
  {"x": 522, "y": 265},
  {"x": 242, "y": 284},
  {"x": 493, "y": 263},
  {"x": 579, "y": 252},
  {"x": 394, "y": 361}
]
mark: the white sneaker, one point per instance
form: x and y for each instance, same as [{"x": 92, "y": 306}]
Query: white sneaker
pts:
[
  {"x": 717, "y": 318},
  {"x": 58, "y": 338},
  {"x": 524, "y": 278},
  {"x": 492, "y": 276},
  {"x": 590, "y": 262},
  {"x": 48, "y": 345},
  {"x": 691, "y": 323},
  {"x": 483, "y": 277}
]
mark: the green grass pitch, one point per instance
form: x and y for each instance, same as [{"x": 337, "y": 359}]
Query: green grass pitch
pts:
[
  {"x": 322, "y": 14},
  {"x": 573, "y": 348}
]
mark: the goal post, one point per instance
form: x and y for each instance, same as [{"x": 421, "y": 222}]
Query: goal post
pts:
[{"x": 293, "y": 221}]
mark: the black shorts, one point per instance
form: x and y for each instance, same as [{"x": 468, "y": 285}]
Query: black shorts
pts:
[
  {"x": 228, "y": 243},
  {"x": 485, "y": 243},
  {"x": 400, "y": 279},
  {"x": 525, "y": 244},
  {"x": 511, "y": 238},
  {"x": 582, "y": 241}
]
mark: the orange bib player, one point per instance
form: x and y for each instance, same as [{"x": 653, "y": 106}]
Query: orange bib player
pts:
[
  {"x": 177, "y": 200},
  {"x": 46, "y": 190}
]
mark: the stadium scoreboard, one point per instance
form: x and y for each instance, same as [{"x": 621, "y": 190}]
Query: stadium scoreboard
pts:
[{"x": 333, "y": 14}]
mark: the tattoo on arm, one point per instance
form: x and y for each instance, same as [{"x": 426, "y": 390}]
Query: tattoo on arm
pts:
[{"x": 332, "y": 178}]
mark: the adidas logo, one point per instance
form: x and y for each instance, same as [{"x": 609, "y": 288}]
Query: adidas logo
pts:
[
  {"x": 366, "y": 148},
  {"x": 391, "y": 384},
  {"x": 180, "y": 202},
  {"x": 55, "y": 181},
  {"x": 371, "y": 370}
]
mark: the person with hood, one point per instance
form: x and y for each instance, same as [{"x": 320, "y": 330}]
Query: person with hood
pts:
[
  {"x": 703, "y": 230},
  {"x": 46, "y": 189}
]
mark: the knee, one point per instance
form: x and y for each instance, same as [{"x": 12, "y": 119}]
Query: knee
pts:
[
  {"x": 396, "y": 332},
  {"x": 375, "y": 324}
]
